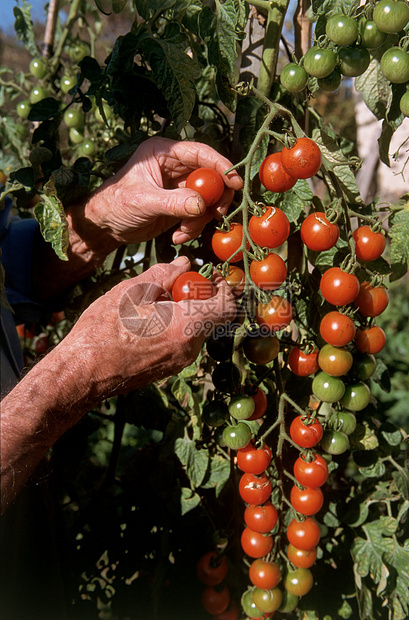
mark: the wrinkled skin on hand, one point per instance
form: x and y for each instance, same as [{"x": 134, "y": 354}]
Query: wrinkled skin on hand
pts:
[
  {"x": 136, "y": 204},
  {"x": 134, "y": 334}
]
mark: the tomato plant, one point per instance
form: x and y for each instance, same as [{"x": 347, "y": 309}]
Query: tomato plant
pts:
[
  {"x": 38, "y": 68},
  {"x": 305, "y": 431},
  {"x": 301, "y": 558},
  {"x": 255, "y": 544},
  {"x": 264, "y": 575},
  {"x": 335, "y": 361},
  {"x": 269, "y": 273},
  {"x": 236, "y": 278},
  {"x": 208, "y": 183},
  {"x": 226, "y": 244},
  {"x": 301, "y": 363},
  {"x": 354, "y": 60},
  {"x": 337, "y": 329},
  {"x": 312, "y": 473},
  {"x": 339, "y": 287},
  {"x": 192, "y": 285},
  {"x": 303, "y": 160},
  {"x": 261, "y": 518},
  {"x": 236, "y": 436},
  {"x": 346, "y": 422},
  {"x": 371, "y": 300},
  {"x": 215, "y": 601},
  {"x": 276, "y": 314},
  {"x": 249, "y": 607},
  {"x": 260, "y": 400},
  {"x": 303, "y": 535},
  {"x": 294, "y": 78},
  {"x": 241, "y": 407},
  {"x": 306, "y": 501},
  {"x": 272, "y": 174},
  {"x": 356, "y": 396},
  {"x": 318, "y": 233},
  {"x": 334, "y": 442},
  {"x": 369, "y": 245},
  {"x": 299, "y": 581},
  {"x": 254, "y": 460},
  {"x": 255, "y": 489},
  {"x": 212, "y": 568},
  {"x": 270, "y": 229}
]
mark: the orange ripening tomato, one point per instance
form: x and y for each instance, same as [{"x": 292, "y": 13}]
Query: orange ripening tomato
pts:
[
  {"x": 372, "y": 300},
  {"x": 303, "y": 364},
  {"x": 277, "y": 314},
  {"x": 371, "y": 340}
]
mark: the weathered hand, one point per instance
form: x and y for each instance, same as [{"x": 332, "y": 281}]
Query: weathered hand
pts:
[{"x": 136, "y": 204}]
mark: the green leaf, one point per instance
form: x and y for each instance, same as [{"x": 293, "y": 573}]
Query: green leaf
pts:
[
  {"x": 364, "y": 437},
  {"x": 174, "y": 72},
  {"x": 23, "y": 26},
  {"x": 401, "y": 480},
  {"x": 373, "y": 471},
  {"x": 44, "y": 109},
  {"x": 91, "y": 70},
  {"x": 249, "y": 118},
  {"x": 399, "y": 235},
  {"x": 51, "y": 217},
  {"x": 375, "y": 89},
  {"x": 217, "y": 474},
  {"x": 294, "y": 201},
  {"x": 194, "y": 461},
  {"x": 188, "y": 500},
  {"x": 337, "y": 164}
]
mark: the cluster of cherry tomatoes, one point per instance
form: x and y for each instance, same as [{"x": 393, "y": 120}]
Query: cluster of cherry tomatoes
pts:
[
  {"x": 345, "y": 50},
  {"x": 212, "y": 570},
  {"x": 81, "y": 137}
]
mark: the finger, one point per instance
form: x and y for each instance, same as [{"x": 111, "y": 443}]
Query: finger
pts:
[{"x": 217, "y": 310}]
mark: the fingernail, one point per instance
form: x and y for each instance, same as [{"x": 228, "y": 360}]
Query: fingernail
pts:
[
  {"x": 181, "y": 260},
  {"x": 192, "y": 206}
]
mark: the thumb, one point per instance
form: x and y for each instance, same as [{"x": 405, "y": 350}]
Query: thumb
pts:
[
  {"x": 156, "y": 281},
  {"x": 180, "y": 203}
]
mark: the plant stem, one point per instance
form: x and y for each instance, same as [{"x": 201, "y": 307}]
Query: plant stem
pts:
[{"x": 275, "y": 19}]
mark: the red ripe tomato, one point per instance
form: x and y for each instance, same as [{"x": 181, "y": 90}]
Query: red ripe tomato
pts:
[
  {"x": 338, "y": 287},
  {"x": 318, "y": 233},
  {"x": 265, "y": 575},
  {"x": 270, "y": 229},
  {"x": 276, "y": 314},
  {"x": 261, "y": 518},
  {"x": 303, "y": 160},
  {"x": 225, "y": 244},
  {"x": 255, "y": 489},
  {"x": 305, "y": 534},
  {"x": 260, "y": 399},
  {"x": 305, "y": 431},
  {"x": 236, "y": 278},
  {"x": 369, "y": 245},
  {"x": 253, "y": 460},
  {"x": 370, "y": 340},
  {"x": 337, "y": 329},
  {"x": 303, "y": 364},
  {"x": 255, "y": 544},
  {"x": 269, "y": 273},
  {"x": 212, "y": 568},
  {"x": 306, "y": 501},
  {"x": 192, "y": 285},
  {"x": 273, "y": 176},
  {"x": 215, "y": 601},
  {"x": 301, "y": 558},
  {"x": 313, "y": 473},
  {"x": 372, "y": 300},
  {"x": 208, "y": 183}
]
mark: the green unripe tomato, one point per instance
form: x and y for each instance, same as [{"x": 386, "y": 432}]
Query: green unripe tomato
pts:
[
  {"x": 326, "y": 388},
  {"x": 215, "y": 413},
  {"x": 294, "y": 78},
  {"x": 289, "y": 603},
  {"x": 74, "y": 118},
  {"x": 342, "y": 29},
  {"x": 319, "y": 62},
  {"x": 356, "y": 397},
  {"x": 346, "y": 421},
  {"x": 107, "y": 111},
  {"x": 241, "y": 407},
  {"x": 37, "y": 94},
  {"x": 334, "y": 442},
  {"x": 354, "y": 60},
  {"x": 391, "y": 15},
  {"x": 404, "y": 104},
  {"x": 237, "y": 436},
  {"x": 88, "y": 148},
  {"x": 371, "y": 36},
  {"x": 395, "y": 65},
  {"x": 76, "y": 137},
  {"x": 23, "y": 109},
  {"x": 267, "y": 600},
  {"x": 364, "y": 366},
  {"x": 67, "y": 82},
  {"x": 78, "y": 51},
  {"x": 38, "y": 68},
  {"x": 331, "y": 82}
]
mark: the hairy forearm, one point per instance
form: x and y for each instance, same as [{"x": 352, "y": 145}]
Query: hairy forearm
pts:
[{"x": 50, "y": 399}]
